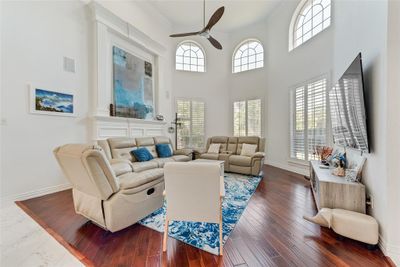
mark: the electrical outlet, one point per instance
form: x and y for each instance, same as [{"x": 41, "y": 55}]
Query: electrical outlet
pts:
[{"x": 370, "y": 201}]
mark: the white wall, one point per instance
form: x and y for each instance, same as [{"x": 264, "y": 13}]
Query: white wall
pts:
[
  {"x": 370, "y": 37},
  {"x": 393, "y": 130},
  {"x": 210, "y": 86},
  {"x": 35, "y": 37},
  {"x": 353, "y": 30},
  {"x": 282, "y": 71}
]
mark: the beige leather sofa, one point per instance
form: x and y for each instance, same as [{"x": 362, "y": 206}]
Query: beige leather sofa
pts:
[
  {"x": 118, "y": 153},
  {"x": 109, "y": 186},
  {"x": 112, "y": 202},
  {"x": 230, "y": 149}
]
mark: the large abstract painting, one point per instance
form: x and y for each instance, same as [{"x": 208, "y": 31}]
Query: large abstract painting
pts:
[
  {"x": 51, "y": 102},
  {"x": 133, "y": 86}
]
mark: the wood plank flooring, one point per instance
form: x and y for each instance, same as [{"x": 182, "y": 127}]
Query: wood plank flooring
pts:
[{"x": 271, "y": 232}]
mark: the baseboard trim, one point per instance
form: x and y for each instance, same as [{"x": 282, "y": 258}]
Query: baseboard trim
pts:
[
  {"x": 8, "y": 200},
  {"x": 390, "y": 251},
  {"x": 288, "y": 167}
]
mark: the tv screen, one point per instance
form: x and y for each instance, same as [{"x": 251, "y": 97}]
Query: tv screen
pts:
[{"x": 348, "y": 115}]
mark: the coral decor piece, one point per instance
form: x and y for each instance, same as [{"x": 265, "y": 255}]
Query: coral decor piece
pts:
[{"x": 323, "y": 152}]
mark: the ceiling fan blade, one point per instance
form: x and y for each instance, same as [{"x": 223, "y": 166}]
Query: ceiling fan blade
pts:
[
  {"x": 184, "y": 34},
  {"x": 214, "y": 42},
  {"x": 215, "y": 18}
]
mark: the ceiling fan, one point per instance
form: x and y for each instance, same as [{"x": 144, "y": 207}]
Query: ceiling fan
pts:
[{"x": 205, "y": 32}]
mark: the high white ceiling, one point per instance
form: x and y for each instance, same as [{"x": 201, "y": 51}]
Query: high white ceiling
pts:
[{"x": 238, "y": 13}]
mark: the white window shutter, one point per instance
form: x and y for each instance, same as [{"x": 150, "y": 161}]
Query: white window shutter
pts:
[
  {"x": 308, "y": 119},
  {"x": 254, "y": 117},
  {"x": 298, "y": 124},
  {"x": 316, "y": 116},
  {"x": 192, "y": 129},
  {"x": 239, "y": 118}
]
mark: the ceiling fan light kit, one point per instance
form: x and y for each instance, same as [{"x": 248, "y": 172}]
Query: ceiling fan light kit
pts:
[{"x": 205, "y": 32}]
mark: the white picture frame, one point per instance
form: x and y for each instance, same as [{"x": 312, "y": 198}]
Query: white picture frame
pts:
[{"x": 55, "y": 102}]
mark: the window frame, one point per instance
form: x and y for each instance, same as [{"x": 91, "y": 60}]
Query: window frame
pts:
[
  {"x": 204, "y": 121},
  {"x": 294, "y": 20},
  {"x": 328, "y": 133},
  {"x": 246, "y": 108},
  {"x": 202, "y": 50},
  {"x": 237, "y": 49}
]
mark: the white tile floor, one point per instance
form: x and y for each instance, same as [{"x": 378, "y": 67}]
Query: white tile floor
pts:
[{"x": 25, "y": 243}]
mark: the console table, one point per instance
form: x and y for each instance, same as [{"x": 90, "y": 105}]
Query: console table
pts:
[{"x": 331, "y": 191}]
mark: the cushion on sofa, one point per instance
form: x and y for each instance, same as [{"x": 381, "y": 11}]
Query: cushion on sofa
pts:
[
  {"x": 142, "y": 154},
  {"x": 121, "y": 147},
  {"x": 146, "y": 165},
  {"x": 147, "y": 142},
  {"x": 240, "y": 160},
  {"x": 253, "y": 140},
  {"x": 222, "y": 140},
  {"x": 133, "y": 179},
  {"x": 213, "y": 148},
  {"x": 181, "y": 158},
  {"x": 164, "y": 150},
  {"x": 248, "y": 150}
]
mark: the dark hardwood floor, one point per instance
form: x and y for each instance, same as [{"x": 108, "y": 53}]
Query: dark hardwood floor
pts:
[{"x": 271, "y": 232}]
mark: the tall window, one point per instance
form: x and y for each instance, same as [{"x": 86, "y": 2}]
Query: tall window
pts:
[
  {"x": 190, "y": 57},
  {"x": 309, "y": 19},
  {"x": 308, "y": 122},
  {"x": 249, "y": 55},
  {"x": 191, "y": 130},
  {"x": 247, "y": 118}
]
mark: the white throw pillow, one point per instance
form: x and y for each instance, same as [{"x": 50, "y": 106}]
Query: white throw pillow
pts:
[
  {"x": 248, "y": 150},
  {"x": 214, "y": 149}
]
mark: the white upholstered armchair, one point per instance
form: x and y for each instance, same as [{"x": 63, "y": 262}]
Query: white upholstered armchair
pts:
[{"x": 194, "y": 192}]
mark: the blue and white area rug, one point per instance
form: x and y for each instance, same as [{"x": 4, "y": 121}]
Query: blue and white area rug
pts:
[{"x": 205, "y": 236}]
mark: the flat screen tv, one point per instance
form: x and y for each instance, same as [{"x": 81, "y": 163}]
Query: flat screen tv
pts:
[{"x": 347, "y": 106}]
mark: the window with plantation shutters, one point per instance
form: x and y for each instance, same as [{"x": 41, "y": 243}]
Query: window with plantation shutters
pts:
[
  {"x": 191, "y": 129},
  {"x": 308, "y": 122},
  {"x": 247, "y": 118}
]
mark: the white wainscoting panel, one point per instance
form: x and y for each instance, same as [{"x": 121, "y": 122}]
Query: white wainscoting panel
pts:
[{"x": 105, "y": 127}]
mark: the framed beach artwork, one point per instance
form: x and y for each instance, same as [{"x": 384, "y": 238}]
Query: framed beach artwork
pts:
[
  {"x": 133, "y": 85},
  {"x": 50, "y": 102}
]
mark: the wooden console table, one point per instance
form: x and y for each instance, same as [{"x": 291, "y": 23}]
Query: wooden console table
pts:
[{"x": 331, "y": 191}]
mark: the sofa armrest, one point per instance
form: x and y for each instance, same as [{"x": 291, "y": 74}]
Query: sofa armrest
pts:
[
  {"x": 258, "y": 155},
  {"x": 184, "y": 151},
  {"x": 200, "y": 150}
]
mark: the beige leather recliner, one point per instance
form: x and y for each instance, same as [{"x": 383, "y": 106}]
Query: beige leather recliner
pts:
[
  {"x": 230, "y": 150},
  {"x": 109, "y": 201}
]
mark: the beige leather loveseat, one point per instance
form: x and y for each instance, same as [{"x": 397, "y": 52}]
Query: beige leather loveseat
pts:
[
  {"x": 230, "y": 151},
  {"x": 110, "y": 187}
]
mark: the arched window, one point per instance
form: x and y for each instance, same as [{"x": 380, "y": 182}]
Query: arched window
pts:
[
  {"x": 247, "y": 56},
  {"x": 190, "y": 57},
  {"x": 309, "y": 19}
]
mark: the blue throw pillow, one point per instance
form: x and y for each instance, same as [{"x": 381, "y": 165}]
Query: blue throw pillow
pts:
[
  {"x": 142, "y": 154},
  {"x": 164, "y": 150}
]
